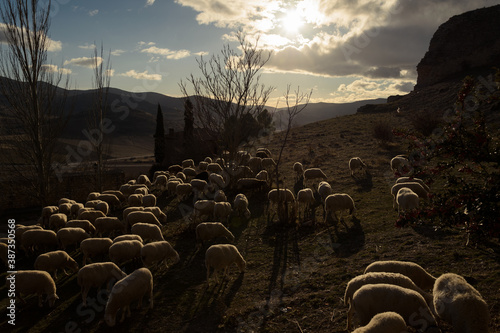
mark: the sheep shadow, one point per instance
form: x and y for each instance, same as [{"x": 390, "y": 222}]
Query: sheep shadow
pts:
[
  {"x": 349, "y": 240},
  {"x": 365, "y": 183}
]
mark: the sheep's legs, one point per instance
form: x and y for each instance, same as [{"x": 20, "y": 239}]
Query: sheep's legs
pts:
[{"x": 350, "y": 312}]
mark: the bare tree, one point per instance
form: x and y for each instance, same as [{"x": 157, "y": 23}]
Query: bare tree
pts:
[
  {"x": 35, "y": 113},
  {"x": 229, "y": 95},
  {"x": 96, "y": 120}
]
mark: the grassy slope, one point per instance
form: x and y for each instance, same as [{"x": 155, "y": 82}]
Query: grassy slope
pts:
[{"x": 295, "y": 279}]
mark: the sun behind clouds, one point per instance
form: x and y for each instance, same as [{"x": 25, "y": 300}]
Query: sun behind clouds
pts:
[{"x": 292, "y": 21}]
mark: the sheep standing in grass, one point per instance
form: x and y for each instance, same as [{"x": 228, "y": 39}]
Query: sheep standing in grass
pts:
[
  {"x": 214, "y": 168},
  {"x": 57, "y": 221},
  {"x": 149, "y": 200},
  {"x": 172, "y": 185},
  {"x": 220, "y": 257},
  {"x": 147, "y": 231},
  {"x": 92, "y": 247},
  {"x": 209, "y": 230},
  {"x": 127, "y": 237},
  {"x": 142, "y": 217},
  {"x": 71, "y": 236},
  {"x": 158, "y": 252},
  {"x": 84, "y": 224},
  {"x": 372, "y": 299},
  {"x": 131, "y": 288},
  {"x": 37, "y": 239},
  {"x": 298, "y": 168},
  {"x": 160, "y": 183},
  {"x": 414, "y": 186},
  {"x": 385, "y": 322},
  {"x": 412, "y": 180},
  {"x": 312, "y": 174},
  {"x": 112, "y": 200},
  {"x": 222, "y": 211},
  {"x": 338, "y": 202},
  {"x": 135, "y": 199},
  {"x": 460, "y": 304},
  {"x": 414, "y": 271},
  {"x": 324, "y": 190},
  {"x": 21, "y": 229},
  {"x": 268, "y": 164},
  {"x": 305, "y": 198},
  {"x": 109, "y": 225},
  {"x": 65, "y": 208},
  {"x": 406, "y": 200},
  {"x": 356, "y": 164},
  {"x": 123, "y": 251},
  {"x": 240, "y": 205},
  {"x": 203, "y": 208},
  {"x": 183, "y": 191},
  {"x": 54, "y": 260},
  {"x": 144, "y": 180},
  {"x": 95, "y": 275},
  {"x": 93, "y": 196},
  {"x": 35, "y": 282},
  {"x": 160, "y": 215},
  {"x": 117, "y": 193},
  {"x": 75, "y": 208},
  {"x": 90, "y": 215},
  {"x": 47, "y": 211},
  {"x": 284, "y": 196},
  {"x": 400, "y": 164},
  {"x": 220, "y": 196}
]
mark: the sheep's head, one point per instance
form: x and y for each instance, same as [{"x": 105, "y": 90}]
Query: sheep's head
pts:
[
  {"x": 51, "y": 299},
  {"x": 110, "y": 320}
]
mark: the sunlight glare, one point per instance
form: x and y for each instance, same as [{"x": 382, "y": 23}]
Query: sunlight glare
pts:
[{"x": 292, "y": 21}]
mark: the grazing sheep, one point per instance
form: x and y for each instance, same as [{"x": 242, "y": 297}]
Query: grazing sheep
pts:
[
  {"x": 241, "y": 171},
  {"x": 240, "y": 205},
  {"x": 84, "y": 224},
  {"x": 305, "y": 197},
  {"x": 220, "y": 256},
  {"x": 356, "y": 164},
  {"x": 283, "y": 195},
  {"x": 65, "y": 208},
  {"x": 112, "y": 200},
  {"x": 220, "y": 196},
  {"x": 263, "y": 175},
  {"x": 54, "y": 260},
  {"x": 47, "y": 211},
  {"x": 203, "y": 208},
  {"x": 199, "y": 185},
  {"x": 255, "y": 164},
  {"x": 90, "y": 215},
  {"x": 412, "y": 270},
  {"x": 157, "y": 252},
  {"x": 93, "y": 196},
  {"x": 21, "y": 229},
  {"x": 35, "y": 282},
  {"x": 180, "y": 175},
  {"x": 249, "y": 184},
  {"x": 117, "y": 193},
  {"x": 382, "y": 277},
  {"x": 460, "y": 304},
  {"x": 131, "y": 288},
  {"x": 263, "y": 152},
  {"x": 222, "y": 211},
  {"x": 183, "y": 191},
  {"x": 406, "y": 200},
  {"x": 65, "y": 200},
  {"x": 189, "y": 163},
  {"x": 189, "y": 172},
  {"x": 95, "y": 275},
  {"x": 217, "y": 181},
  {"x": 71, "y": 236},
  {"x": 160, "y": 183},
  {"x": 75, "y": 208},
  {"x": 313, "y": 174},
  {"x": 161, "y": 216},
  {"x": 324, "y": 190},
  {"x": 385, "y": 322},
  {"x": 129, "y": 210},
  {"x": 400, "y": 164},
  {"x": 173, "y": 169},
  {"x": 338, "y": 202},
  {"x": 57, "y": 221},
  {"x": 38, "y": 239},
  {"x": 208, "y": 159},
  {"x": 372, "y": 299},
  {"x": 102, "y": 206},
  {"x": 123, "y": 251},
  {"x": 141, "y": 190},
  {"x": 414, "y": 186},
  {"x": 214, "y": 168},
  {"x": 298, "y": 168},
  {"x": 127, "y": 237},
  {"x": 109, "y": 225},
  {"x": 143, "y": 179},
  {"x": 210, "y": 230},
  {"x": 149, "y": 200},
  {"x": 172, "y": 185},
  {"x": 147, "y": 231},
  {"x": 135, "y": 199},
  {"x": 92, "y": 247},
  {"x": 202, "y": 166},
  {"x": 411, "y": 180},
  {"x": 143, "y": 217},
  {"x": 268, "y": 164}
]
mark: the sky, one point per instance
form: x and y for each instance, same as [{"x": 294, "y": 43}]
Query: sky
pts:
[{"x": 342, "y": 50}]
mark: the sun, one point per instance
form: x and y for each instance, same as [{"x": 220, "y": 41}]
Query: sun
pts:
[{"x": 292, "y": 21}]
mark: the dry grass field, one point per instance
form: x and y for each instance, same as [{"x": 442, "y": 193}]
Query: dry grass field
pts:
[{"x": 295, "y": 277}]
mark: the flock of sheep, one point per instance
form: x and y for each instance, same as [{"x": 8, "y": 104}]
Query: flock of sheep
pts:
[{"x": 126, "y": 225}]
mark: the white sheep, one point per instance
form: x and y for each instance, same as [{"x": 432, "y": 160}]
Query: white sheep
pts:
[
  {"x": 460, "y": 304},
  {"x": 400, "y": 164},
  {"x": 160, "y": 183},
  {"x": 199, "y": 185},
  {"x": 220, "y": 257},
  {"x": 149, "y": 200},
  {"x": 180, "y": 175},
  {"x": 21, "y": 229},
  {"x": 92, "y": 247},
  {"x": 129, "y": 210},
  {"x": 123, "y": 251},
  {"x": 203, "y": 208},
  {"x": 268, "y": 164},
  {"x": 65, "y": 200},
  {"x": 38, "y": 239},
  {"x": 111, "y": 199},
  {"x": 371, "y": 299},
  {"x": 305, "y": 197},
  {"x": 183, "y": 190},
  {"x": 54, "y": 260},
  {"x": 324, "y": 190},
  {"x": 90, "y": 215},
  {"x": 135, "y": 199},
  {"x": 222, "y": 211},
  {"x": 313, "y": 174},
  {"x": 338, "y": 202},
  {"x": 208, "y": 159},
  {"x": 414, "y": 271},
  {"x": 143, "y": 179},
  {"x": 109, "y": 225},
  {"x": 240, "y": 205},
  {"x": 97, "y": 274},
  {"x": 189, "y": 172},
  {"x": 172, "y": 185},
  {"x": 263, "y": 175},
  {"x": 117, "y": 193},
  {"x": 160, "y": 215},
  {"x": 65, "y": 208},
  {"x": 71, "y": 236},
  {"x": 143, "y": 217},
  {"x": 406, "y": 179},
  {"x": 75, "y": 207},
  {"x": 29, "y": 282},
  {"x": 57, "y": 221},
  {"x": 414, "y": 186},
  {"x": 157, "y": 252},
  {"x": 173, "y": 169},
  {"x": 102, "y": 206},
  {"x": 131, "y": 288},
  {"x": 209, "y": 230},
  {"x": 406, "y": 199},
  {"x": 147, "y": 231},
  {"x": 93, "y": 196},
  {"x": 220, "y": 196},
  {"x": 298, "y": 168},
  {"x": 202, "y": 166},
  {"x": 127, "y": 237},
  {"x": 356, "y": 164},
  {"x": 84, "y": 224},
  {"x": 217, "y": 181},
  {"x": 284, "y": 195},
  {"x": 188, "y": 163},
  {"x": 385, "y": 322},
  {"x": 47, "y": 211},
  {"x": 214, "y": 168}
]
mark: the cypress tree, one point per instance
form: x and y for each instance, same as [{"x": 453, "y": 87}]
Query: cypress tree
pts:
[{"x": 159, "y": 137}]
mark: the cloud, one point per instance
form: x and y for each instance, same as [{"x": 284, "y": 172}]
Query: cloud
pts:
[
  {"x": 84, "y": 62},
  {"x": 110, "y": 72},
  {"x": 142, "y": 76},
  {"x": 87, "y": 46},
  {"x": 167, "y": 53},
  {"x": 117, "y": 52},
  {"x": 93, "y": 12},
  {"x": 363, "y": 88},
  {"x": 49, "y": 68},
  {"x": 52, "y": 45},
  {"x": 149, "y": 3}
]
